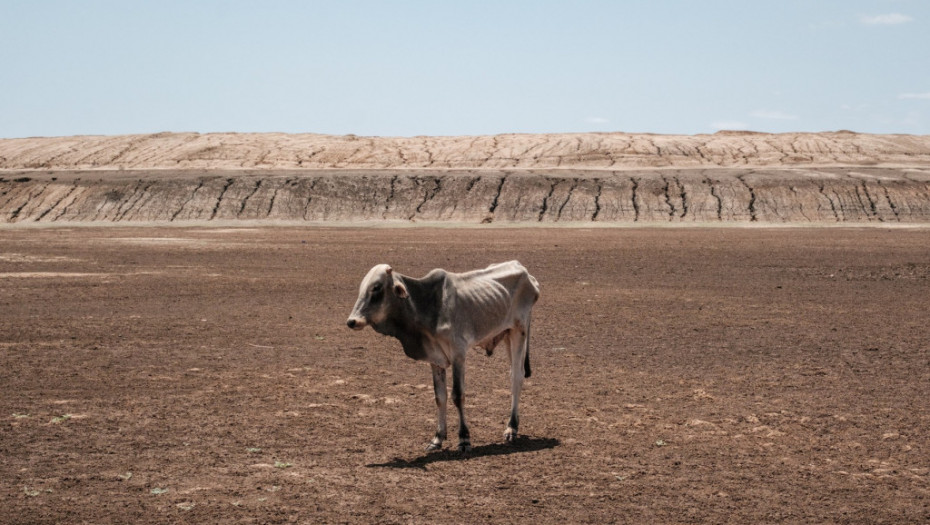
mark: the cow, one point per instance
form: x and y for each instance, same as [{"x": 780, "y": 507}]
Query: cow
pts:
[{"x": 438, "y": 317}]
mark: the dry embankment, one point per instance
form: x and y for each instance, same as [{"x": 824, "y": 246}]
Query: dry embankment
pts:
[{"x": 607, "y": 178}]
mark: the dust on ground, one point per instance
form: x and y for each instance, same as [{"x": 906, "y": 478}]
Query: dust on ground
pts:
[{"x": 698, "y": 375}]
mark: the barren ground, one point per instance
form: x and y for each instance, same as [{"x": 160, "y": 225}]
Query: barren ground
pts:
[
  {"x": 154, "y": 375},
  {"x": 824, "y": 196},
  {"x": 609, "y": 151},
  {"x": 611, "y": 178}
]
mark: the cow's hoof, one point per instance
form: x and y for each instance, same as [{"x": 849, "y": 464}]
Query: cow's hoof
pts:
[
  {"x": 433, "y": 446},
  {"x": 510, "y": 435},
  {"x": 464, "y": 447}
]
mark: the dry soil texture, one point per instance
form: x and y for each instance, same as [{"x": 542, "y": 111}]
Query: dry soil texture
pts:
[
  {"x": 611, "y": 151},
  {"x": 701, "y": 375},
  {"x": 608, "y": 178},
  {"x": 678, "y": 196}
]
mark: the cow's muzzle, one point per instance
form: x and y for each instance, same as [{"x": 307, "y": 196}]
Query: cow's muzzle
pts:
[{"x": 356, "y": 323}]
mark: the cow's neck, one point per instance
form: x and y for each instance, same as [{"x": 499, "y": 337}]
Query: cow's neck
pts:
[
  {"x": 401, "y": 324},
  {"x": 425, "y": 299},
  {"x": 411, "y": 318}
]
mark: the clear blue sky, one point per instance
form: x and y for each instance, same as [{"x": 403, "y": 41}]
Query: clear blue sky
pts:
[{"x": 392, "y": 68}]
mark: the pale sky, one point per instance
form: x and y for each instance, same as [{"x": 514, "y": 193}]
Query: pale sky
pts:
[{"x": 392, "y": 68}]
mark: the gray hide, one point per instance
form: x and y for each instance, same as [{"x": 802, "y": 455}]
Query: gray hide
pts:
[{"x": 439, "y": 317}]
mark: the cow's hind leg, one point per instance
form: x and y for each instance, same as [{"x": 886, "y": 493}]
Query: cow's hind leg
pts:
[
  {"x": 439, "y": 388},
  {"x": 458, "y": 397},
  {"x": 517, "y": 347}
]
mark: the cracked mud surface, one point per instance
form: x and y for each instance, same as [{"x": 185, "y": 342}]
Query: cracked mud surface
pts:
[
  {"x": 612, "y": 151},
  {"x": 771, "y": 196},
  {"x": 609, "y": 178},
  {"x": 157, "y": 375}
]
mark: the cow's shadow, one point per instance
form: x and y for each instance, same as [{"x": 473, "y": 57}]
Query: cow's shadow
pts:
[{"x": 521, "y": 444}]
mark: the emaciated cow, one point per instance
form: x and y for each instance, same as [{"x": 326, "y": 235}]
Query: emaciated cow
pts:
[{"x": 439, "y": 317}]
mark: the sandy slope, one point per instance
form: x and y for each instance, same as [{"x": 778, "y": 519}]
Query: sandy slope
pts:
[
  {"x": 723, "y": 195},
  {"x": 613, "y": 151},
  {"x": 518, "y": 179}
]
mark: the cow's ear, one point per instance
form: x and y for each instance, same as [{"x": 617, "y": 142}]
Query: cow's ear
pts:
[{"x": 400, "y": 290}]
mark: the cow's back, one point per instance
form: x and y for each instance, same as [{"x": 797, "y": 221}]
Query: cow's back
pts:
[
  {"x": 511, "y": 275},
  {"x": 491, "y": 299}
]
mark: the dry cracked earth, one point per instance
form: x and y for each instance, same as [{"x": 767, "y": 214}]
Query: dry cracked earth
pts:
[
  {"x": 601, "y": 151},
  {"x": 722, "y": 375},
  {"x": 607, "y": 178},
  {"x": 677, "y": 196},
  {"x": 192, "y": 364}
]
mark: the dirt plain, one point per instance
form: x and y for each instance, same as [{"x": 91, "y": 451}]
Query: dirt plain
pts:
[{"x": 714, "y": 375}]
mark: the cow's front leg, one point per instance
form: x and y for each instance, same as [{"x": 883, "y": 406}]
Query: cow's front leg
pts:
[
  {"x": 517, "y": 356},
  {"x": 439, "y": 388},
  {"x": 458, "y": 397}
]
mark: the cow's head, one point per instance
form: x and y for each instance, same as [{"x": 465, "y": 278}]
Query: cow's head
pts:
[{"x": 376, "y": 296}]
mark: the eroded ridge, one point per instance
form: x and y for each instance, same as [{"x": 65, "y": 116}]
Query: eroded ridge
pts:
[
  {"x": 594, "y": 151},
  {"x": 826, "y": 195}
]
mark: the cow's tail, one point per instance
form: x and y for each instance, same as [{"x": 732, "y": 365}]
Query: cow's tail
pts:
[{"x": 526, "y": 360}]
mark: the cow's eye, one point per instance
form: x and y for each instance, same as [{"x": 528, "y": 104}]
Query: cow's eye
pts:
[{"x": 377, "y": 293}]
